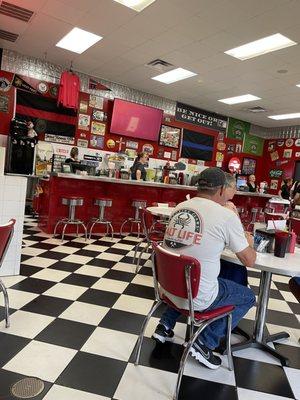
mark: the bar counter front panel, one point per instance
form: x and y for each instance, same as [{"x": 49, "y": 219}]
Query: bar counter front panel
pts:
[{"x": 121, "y": 192}]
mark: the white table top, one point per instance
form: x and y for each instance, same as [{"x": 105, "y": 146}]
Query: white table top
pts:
[
  {"x": 161, "y": 211},
  {"x": 289, "y": 265},
  {"x": 279, "y": 200}
]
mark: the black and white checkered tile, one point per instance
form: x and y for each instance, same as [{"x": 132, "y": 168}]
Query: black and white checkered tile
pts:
[{"x": 76, "y": 310}]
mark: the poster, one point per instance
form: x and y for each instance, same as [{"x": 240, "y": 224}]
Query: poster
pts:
[
  {"x": 230, "y": 148},
  {"x": 274, "y": 184},
  {"x": 84, "y": 122},
  {"x": 83, "y": 106},
  {"x": 98, "y": 115},
  {"x": 96, "y": 102},
  {"x": 274, "y": 155},
  {"x": 49, "y": 137},
  {"x": 271, "y": 146},
  {"x": 130, "y": 144},
  {"x": 219, "y": 157},
  {"x": 131, "y": 153},
  {"x": 253, "y": 145},
  {"x": 4, "y": 103},
  {"x": 148, "y": 148},
  {"x": 199, "y": 117},
  {"x": 97, "y": 141},
  {"x": 174, "y": 155},
  {"x": 221, "y": 146},
  {"x": 287, "y": 153},
  {"x": 249, "y": 166},
  {"x": 169, "y": 136},
  {"x": 82, "y": 143},
  {"x": 98, "y": 128},
  {"x": 289, "y": 142},
  {"x": 237, "y": 129},
  {"x": 275, "y": 173}
]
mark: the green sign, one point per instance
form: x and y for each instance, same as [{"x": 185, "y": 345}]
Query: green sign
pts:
[
  {"x": 253, "y": 145},
  {"x": 237, "y": 129},
  {"x": 275, "y": 173}
]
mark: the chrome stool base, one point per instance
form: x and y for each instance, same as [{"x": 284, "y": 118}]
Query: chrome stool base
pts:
[
  {"x": 72, "y": 202},
  {"x": 102, "y": 203},
  {"x": 138, "y": 205}
]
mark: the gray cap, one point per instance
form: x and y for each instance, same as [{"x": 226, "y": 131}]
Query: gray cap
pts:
[{"x": 211, "y": 178}]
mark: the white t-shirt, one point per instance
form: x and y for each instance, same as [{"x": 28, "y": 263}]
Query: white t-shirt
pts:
[{"x": 201, "y": 228}]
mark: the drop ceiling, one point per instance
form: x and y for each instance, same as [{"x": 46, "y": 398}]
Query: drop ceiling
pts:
[{"x": 191, "y": 34}]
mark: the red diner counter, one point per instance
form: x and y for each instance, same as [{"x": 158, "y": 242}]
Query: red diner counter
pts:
[{"x": 121, "y": 192}]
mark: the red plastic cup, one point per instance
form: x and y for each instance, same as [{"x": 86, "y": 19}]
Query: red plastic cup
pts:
[{"x": 281, "y": 242}]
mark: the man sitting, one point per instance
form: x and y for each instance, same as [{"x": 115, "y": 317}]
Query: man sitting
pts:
[{"x": 201, "y": 227}]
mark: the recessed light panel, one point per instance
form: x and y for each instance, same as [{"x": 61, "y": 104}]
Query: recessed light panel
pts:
[
  {"x": 137, "y": 5},
  {"x": 174, "y": 75},
  {"x": 240, "y": 99},
  {"x": 261, "y": 46},
  {"x": 78, "y": 40},
  {"x": 285, "y": 116}
]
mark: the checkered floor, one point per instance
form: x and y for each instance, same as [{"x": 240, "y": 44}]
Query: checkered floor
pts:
[{"x": 76, "y": 310}]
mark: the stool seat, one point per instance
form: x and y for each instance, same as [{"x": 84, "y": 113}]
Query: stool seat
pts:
[
  {"x": 103, "y": 202},
  {"x": 72, "y": 201},
  {"x": 139, "y": 203}
]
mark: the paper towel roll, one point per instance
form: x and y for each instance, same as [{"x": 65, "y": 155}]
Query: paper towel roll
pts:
[{"x": 2, "y": 160}]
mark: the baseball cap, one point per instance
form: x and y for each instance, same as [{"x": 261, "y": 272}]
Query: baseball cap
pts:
[{"x": 211, "y": 177}]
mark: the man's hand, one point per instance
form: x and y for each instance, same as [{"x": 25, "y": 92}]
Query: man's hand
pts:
[{"x": 249, "y": 238}]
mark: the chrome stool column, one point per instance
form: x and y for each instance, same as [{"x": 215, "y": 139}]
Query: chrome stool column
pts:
[
  {"x": 72, "y": 202},
  {"x": 255, "y": 211},
  {"x": 102, "y": 203},
  {"x": 136, "y": 220}
]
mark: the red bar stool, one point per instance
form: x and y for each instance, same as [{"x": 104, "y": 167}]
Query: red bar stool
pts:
[
  {"x": 102, "y": 203},
  {"x": 180, "y": 275},
  {"x": 6, "y": 234},
  {"x": 136, "y": 220},
  {"x": 72, "y": 203}
]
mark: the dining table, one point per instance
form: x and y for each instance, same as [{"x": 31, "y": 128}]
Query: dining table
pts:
[{"x": 267, "y": 264}]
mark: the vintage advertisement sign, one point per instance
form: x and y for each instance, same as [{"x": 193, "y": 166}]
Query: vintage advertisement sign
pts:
[
  {"x": 237, "y": 129},
  {"x": 196, "y": 116}
]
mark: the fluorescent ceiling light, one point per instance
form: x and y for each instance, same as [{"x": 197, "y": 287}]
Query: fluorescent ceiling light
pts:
[
  {"x": 261, "y": 46},
  {"x": 78, "y": 40},
  {"x": 175, "y": 75},
  {"x": 240, "y": 99},
  {"x": 137, "y": 5},
  {"x": 285, "y": 116},
  {"x": 298, "y": 85}
]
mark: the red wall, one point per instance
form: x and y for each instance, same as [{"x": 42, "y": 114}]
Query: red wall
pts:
[{"x": 287, "y": 165}]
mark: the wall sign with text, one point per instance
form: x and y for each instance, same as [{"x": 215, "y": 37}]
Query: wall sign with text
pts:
[{"x": 196, "y": 116}]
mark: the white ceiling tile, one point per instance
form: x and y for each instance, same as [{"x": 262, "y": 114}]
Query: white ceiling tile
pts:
[{"x": 62, "y": 11}]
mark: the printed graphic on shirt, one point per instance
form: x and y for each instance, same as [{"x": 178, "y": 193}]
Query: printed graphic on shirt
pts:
[{"x": 185, "y": 229}]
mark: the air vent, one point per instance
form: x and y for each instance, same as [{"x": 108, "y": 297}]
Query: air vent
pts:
[
  {"x": 159, "y": 65},
  {"x": 256, "y": 109},
  {"x": 11, "y": 37},
  {"x": 11, "y": 10}
]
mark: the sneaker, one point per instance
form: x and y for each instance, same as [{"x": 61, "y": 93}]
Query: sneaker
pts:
[
  {"x": 162, "y": 334},
  {"x": 205, "y": 356}
]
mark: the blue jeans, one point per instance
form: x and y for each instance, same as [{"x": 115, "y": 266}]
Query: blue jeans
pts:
[{"x": 230, "y": 293}]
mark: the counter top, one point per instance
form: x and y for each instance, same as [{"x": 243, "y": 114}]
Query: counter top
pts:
[
  {"x": 124, "y": 181},
  {"x": 147, "y": 183}
]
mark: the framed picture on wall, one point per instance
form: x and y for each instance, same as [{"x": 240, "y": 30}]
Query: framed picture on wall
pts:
[
  {"x": 249, "y": 166},
  {"x": 169, "y": 136}
]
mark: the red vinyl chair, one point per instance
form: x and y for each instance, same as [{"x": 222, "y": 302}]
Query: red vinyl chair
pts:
[
  {"x": 295, "y": 226},
  {"x": 180, "y": 276},
  {"x": 6, "y": 234},
  {"x": 272, "y": 217},
  {"x": 151, "y": 235}
]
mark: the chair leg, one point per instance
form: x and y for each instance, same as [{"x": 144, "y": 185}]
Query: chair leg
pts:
[
  {"x": 122, "y": 226},
  {"x": 139, "y": 229},
  {"x": 63, "y": 232},
  {"x": 77, "y": 230},
  {"x": 112, "y": 229},
  {"x": 56, "y": 226},
  {"x": 140, "y": 257},
  {"x": 228, "y": 343},
  {"x": 91, "y": 229},
  {"x": 139, "y": 343},
  {"x": 6, "y": 302},
  {"x": 85, "y": 230},
  {"x": 136, "y": 248}
]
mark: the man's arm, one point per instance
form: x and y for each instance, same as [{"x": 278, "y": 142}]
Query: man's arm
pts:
[{"x": 247, "y": 256}]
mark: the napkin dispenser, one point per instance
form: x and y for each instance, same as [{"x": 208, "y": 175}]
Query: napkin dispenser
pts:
[{"x": 264, "y": 235}]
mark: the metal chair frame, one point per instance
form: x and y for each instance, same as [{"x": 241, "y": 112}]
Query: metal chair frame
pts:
[
  {"x": 135, "y": 220},
  {"x": 200, "y": 324},
  {"x": 2, "y": 286},
  {"x": 71, "y": 220},
  {"x": 101, "y": 220}
]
